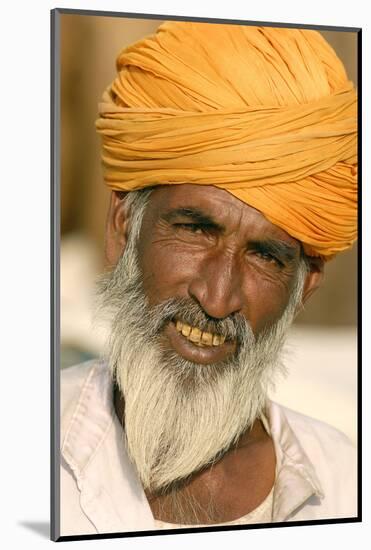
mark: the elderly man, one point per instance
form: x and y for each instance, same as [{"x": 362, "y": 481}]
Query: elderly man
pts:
[{"x": 230, "y": 152}]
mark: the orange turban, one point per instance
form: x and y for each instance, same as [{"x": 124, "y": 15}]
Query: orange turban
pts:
[{"x": 267, "y": 114}]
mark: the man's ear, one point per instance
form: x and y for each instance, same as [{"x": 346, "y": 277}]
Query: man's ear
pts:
[
  {"x": 116, "y": 228},
  {"x": 313, "y": 278}
]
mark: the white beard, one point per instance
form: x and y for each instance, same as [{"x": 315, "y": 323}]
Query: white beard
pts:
[{"x": 180, "y": 416}]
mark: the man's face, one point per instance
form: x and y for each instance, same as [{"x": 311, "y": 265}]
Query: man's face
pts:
[{"x": 203, "y": 244}]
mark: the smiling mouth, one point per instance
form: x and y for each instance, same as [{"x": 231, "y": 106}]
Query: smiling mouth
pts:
[
  {"x": 197, "y": 345},
  {"x": 197, "y": 336}
]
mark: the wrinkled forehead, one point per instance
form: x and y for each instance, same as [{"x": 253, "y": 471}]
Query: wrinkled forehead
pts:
[{"x": 210, "y": 204}]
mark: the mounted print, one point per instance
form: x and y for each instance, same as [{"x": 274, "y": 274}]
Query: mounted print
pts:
[{"x": 204, "y": 202}]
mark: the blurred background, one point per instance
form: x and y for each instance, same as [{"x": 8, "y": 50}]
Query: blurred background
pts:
[{"x": 321, "y": 353}]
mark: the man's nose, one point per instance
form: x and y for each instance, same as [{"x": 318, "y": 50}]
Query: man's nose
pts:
[{"x": 217, "y": 287}]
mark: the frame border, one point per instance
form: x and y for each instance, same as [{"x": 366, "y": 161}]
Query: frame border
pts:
[{"x": 55, "y": 187}]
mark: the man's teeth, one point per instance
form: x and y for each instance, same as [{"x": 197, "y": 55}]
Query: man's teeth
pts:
[{"x": 198, "y": 337}]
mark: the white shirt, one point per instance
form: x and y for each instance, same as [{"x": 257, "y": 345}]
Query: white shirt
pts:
[{"x": 101, "y": 493}]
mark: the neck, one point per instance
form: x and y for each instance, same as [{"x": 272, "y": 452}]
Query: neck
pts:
[{"x": 228, "y": 489}]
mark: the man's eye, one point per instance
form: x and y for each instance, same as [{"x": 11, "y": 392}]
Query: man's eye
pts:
[
  {"x": 269, "y": 258},
  {"x": 191, "y": 227}
]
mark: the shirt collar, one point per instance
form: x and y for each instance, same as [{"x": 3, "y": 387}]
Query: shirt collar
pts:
[
  {"x": 296, "y": 478},
  {"x": 91, "y": 420}
]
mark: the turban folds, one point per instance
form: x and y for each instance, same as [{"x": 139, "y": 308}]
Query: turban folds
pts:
[{"x": 265, "y": 113}]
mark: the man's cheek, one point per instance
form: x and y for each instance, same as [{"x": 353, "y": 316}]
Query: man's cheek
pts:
[{"x": 168, "y": 272}]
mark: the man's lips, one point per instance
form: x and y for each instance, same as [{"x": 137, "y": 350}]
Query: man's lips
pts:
[{"x": 202, "y": 349}]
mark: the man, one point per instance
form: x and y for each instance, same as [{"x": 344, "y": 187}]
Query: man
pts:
[{"x": 230, "y": 153}]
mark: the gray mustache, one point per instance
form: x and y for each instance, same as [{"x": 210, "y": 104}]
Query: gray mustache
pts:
[{"x": 186, "y": 310}]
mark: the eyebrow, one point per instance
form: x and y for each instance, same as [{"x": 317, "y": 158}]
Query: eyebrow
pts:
[{"x": 194, "y": 214}]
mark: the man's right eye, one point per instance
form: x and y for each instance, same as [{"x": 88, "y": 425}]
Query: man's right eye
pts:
[{"x": 195, "y": 228}]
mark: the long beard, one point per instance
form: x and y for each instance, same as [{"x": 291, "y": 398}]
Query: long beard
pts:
[{"x": 181, "y": 417}]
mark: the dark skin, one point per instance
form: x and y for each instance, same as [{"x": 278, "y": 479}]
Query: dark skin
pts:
[{"x": 202, "y": 243}]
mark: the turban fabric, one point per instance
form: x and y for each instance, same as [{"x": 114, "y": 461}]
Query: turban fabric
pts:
[{"x": 265, "y": 113}]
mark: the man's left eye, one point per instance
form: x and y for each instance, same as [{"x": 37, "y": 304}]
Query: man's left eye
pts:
[{"x": 269, "y": 258}]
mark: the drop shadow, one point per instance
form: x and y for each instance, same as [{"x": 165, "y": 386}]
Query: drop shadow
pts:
[{"x": 42, "y": 528}]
